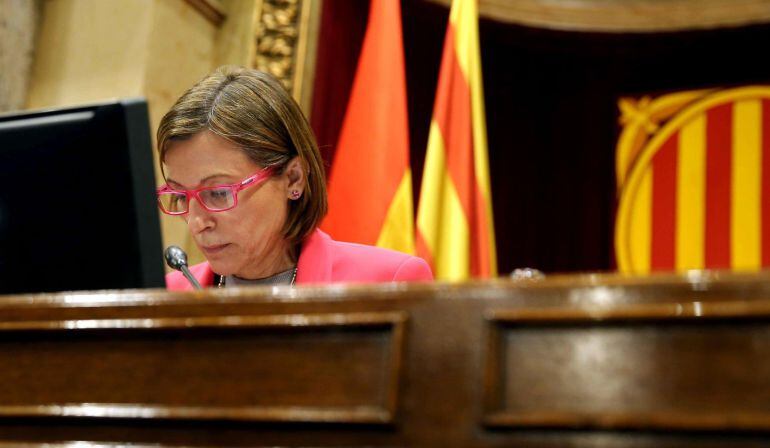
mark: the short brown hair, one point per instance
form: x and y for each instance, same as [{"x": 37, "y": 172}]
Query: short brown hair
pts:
[{"x": 252, "y": 110}]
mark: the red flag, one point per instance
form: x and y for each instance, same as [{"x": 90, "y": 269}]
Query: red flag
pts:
[{"x": 370, "y": 187}]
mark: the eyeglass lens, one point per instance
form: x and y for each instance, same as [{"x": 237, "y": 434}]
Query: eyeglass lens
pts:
[
  {"x": 217, "y": 198},
  {"x": 213, "y": 199}
]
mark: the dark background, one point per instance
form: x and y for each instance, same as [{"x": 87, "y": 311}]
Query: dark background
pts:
[{"x": 552, "y": 117}]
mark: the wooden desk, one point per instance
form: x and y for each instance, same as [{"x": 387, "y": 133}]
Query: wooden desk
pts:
[{"x": 577, "y": 361}]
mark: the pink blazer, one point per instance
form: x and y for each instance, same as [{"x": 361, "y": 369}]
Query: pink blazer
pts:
[{"x": 323, "y": 260}]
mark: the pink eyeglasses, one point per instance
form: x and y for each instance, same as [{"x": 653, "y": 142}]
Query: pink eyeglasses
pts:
[{"x": 218, "y": 198}]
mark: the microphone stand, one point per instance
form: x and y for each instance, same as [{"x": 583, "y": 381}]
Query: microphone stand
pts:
[{"x": 190, "y": 278}]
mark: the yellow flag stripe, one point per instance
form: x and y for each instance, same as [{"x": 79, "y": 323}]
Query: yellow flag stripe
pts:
[
  {"x": 453, "y": 257},
  {"x": 691, "y": 195},
  {"x": 429, "y": 211},
  {"x": 641, "y": 226},
  {"x": 464, "y": 18},
  {"x": 441, "y": 220},
  {"x": 398, "y": 229},
  {"x": 745, "y": 198}
]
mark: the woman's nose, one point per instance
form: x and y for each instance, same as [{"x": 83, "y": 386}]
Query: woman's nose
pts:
[{"x": 198, "y": 218}]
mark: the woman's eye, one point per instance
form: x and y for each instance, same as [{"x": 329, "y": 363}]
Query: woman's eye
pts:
[
  {"x": 178, "y": 199},
  {"x": 217, "y": 198}
]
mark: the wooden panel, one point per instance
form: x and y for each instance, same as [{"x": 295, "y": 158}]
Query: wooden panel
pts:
[
  {"x": 589, "y": 361},
  {"x": 685, "y": 367},
  {"x": 223, "y": 368}
]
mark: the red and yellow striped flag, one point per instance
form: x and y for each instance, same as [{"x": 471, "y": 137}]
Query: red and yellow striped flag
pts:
[
  {"x": 455, "y": 232},
  {"x": 697, "y": 195},
  {"x": 370, "y": 187}
]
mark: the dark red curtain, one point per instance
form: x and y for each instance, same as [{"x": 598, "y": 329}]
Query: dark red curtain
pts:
[
  {"x": 343, "y": 24},
  {"x": 552, "y": 119}
]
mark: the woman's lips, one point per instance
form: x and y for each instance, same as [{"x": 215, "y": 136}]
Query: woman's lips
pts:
[{"x": 214, "y": 249}]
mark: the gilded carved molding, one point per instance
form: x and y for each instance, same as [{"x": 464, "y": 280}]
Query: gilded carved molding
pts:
[{"x": 285, "y": 42}]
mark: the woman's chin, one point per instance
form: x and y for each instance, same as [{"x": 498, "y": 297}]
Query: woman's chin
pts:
[{"x": 220, "y": 268}]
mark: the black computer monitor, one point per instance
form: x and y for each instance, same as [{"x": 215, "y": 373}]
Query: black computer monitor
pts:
[{"x": 77, "y": 200}]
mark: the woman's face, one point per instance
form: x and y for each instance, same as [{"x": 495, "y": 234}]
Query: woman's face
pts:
[{"x": 245, "y": 241}]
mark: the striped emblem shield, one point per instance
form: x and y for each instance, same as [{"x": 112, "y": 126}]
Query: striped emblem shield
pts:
[{"x": 695, "y": 191}]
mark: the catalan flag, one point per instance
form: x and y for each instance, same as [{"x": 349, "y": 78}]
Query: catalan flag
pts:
[
  {"x": 455, "y": 232},
  {"x": 697, "y": 195},
  {"x": 370, "y": 187}
]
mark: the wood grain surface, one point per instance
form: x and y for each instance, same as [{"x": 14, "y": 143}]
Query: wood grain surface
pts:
[{"x": 576, "y": 361}]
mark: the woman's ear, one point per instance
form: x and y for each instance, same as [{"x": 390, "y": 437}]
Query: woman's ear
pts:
[{"x": 295, "y": 173}]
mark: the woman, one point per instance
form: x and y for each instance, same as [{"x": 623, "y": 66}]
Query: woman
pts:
[{"x": 243, "y": 169}]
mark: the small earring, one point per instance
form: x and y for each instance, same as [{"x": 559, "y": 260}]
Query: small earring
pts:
[{"x": 295, "y": 194}]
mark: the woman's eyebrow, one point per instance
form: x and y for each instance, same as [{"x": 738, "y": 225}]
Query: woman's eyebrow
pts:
[
  {"x": 201, "y": 182},
  {"x": 172, "y": 181}
]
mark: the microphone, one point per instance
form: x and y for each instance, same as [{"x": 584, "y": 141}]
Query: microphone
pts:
[{"x": 177, "y": 259}]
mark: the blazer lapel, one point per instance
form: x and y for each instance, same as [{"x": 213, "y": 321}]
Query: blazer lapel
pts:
[{"x": 315, "y": 259}]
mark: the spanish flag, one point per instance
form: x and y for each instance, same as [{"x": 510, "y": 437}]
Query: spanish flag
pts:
[
  {"x": 370, "y": 187},
  {"x": 455, "y": 231}
]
